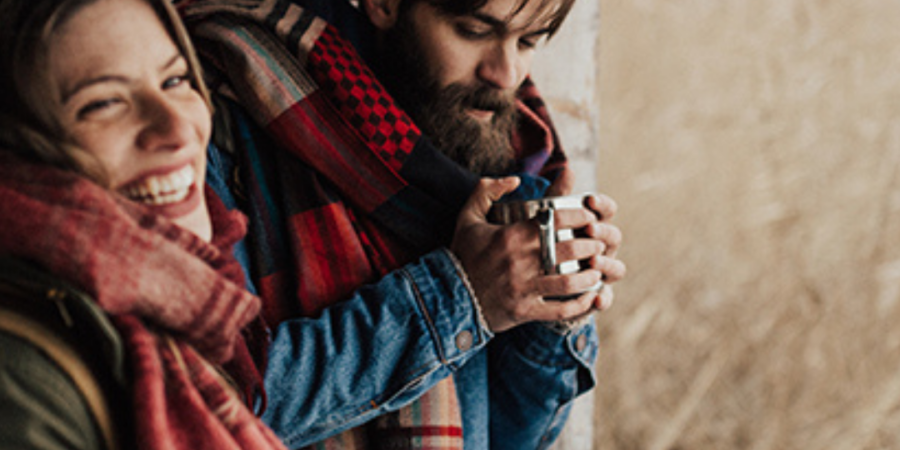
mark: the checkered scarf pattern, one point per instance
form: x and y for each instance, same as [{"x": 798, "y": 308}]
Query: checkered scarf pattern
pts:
[{"x": 340, "y": 185}]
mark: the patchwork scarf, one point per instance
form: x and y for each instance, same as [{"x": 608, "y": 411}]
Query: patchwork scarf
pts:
[
  {"x": 340, "y": 185},
  {"x": 178, "y": 302}
]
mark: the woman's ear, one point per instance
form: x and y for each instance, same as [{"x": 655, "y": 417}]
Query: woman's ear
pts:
[{"x": 382, "y": 13}]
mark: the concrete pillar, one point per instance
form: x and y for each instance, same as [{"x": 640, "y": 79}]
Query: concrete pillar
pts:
[{"x": 565, "y": 71}]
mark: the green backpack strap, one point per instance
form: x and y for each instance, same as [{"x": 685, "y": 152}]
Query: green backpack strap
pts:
[
  {"x": 72, "y": 331},
  {"x": 67, "y": 358}
]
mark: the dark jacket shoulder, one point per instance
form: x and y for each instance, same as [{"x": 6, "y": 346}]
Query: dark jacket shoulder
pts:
[{"x": 41, "y": 403}]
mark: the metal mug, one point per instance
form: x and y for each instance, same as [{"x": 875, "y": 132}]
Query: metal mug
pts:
[{"x": 543, "y": 210}]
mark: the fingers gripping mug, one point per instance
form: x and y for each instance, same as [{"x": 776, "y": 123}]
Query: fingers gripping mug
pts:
[{"x": 543, "y": 210}]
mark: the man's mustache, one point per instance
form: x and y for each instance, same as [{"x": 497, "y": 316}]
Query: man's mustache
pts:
[{"x": 480, "y": 97}]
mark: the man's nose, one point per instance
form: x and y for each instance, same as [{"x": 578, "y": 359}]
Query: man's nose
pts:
[
  {"x": 165, "y": 127},
  {"x": 500, "y": 66}
]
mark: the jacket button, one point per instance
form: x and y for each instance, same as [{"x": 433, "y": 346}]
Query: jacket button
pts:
[
  {"x": 464, "y": 340},
  {"x": 581, "y": 342}
]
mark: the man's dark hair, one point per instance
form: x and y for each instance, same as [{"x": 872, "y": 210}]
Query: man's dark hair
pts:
[{"x": 558, "y": 9}]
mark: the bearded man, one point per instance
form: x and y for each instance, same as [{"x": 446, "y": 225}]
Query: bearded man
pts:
[
  {"x": 456, "y": 66},
  {"x": 342, "y": 188}
]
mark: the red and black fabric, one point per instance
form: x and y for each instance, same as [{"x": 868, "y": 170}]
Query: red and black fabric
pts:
[{"x": 339, "y": 184}]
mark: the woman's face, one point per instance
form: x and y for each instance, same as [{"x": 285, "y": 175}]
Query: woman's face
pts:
[{"x": 123, "y": 94}]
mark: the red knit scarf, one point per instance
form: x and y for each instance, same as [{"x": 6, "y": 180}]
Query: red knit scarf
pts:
[
  {"x": 343, "y": 187},
  {"x": 177, "y": 301}
]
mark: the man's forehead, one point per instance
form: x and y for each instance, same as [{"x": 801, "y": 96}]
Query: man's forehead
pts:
[
  {"x": 508, "y": 10},
  {"x": 514, "y": 14}
]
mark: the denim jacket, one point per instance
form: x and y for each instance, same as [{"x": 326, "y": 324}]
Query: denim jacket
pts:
[{"x": 393, "y": 340}]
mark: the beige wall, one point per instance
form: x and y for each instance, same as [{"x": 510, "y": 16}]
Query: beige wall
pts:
[
  {"x": 754, "y": 149},
  {"x": 566, "y": 72}
]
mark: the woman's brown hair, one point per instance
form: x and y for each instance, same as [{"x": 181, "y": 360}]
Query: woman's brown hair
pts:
[{"x": 28, "y": 126}]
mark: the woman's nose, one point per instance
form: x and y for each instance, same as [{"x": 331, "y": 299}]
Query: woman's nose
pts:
[
  {"x": 500, "y": 66},
  {"x": 164, "y": 125}
]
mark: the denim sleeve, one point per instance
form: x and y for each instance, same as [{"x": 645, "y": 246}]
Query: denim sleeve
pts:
[
  {"x": 373, "y": 353},
  {"x": 561, "y": 364}
]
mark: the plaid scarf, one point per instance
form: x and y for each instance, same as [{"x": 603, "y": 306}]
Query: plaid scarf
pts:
[
  {"x": 177, "y": 301},
  {"x": 341, "y": 186}
]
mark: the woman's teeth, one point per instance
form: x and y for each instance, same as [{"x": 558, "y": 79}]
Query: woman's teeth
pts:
[{"x": 172, "y": 187}]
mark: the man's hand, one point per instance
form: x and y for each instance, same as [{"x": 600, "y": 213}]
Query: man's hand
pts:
[
  {"x": 605, "y": 260},
  {"x": 596, "y": 241},
  {"x": 504, "y": 268}
]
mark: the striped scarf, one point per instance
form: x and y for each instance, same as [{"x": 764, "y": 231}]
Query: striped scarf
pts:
[{"x": 341, "y": 186}]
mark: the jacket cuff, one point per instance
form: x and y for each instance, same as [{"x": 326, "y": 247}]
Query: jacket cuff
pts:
[
  {"x": 576, "y": 348},
  {"x": 448, "y": 306}
]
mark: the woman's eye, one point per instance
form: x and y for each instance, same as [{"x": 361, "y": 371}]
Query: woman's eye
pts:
[
  {"x": 96, "y": 107},
  {"x": 173, "y": 82}
]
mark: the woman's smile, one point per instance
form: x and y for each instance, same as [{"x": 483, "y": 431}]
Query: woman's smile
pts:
[
  {"x": 126, "y": 97},
  {"x": 172, "y": 193}
]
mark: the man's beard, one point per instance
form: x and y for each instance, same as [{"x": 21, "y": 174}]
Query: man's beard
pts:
[{"x": 483, "y": 147}]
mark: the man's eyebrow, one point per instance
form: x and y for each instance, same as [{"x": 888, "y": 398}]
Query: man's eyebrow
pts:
[
  {"x": 86, "y": 83},
  {"x": 503, "y": 25},
  {"x": 539, "y": 32},
  {"x": 489, "y": 20}
]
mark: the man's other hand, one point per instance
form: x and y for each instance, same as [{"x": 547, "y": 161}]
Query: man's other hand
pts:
[{"x": 504, "y": 267}]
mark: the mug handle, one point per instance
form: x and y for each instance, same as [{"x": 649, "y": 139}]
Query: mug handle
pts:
[{"x": 547, "y": 227}]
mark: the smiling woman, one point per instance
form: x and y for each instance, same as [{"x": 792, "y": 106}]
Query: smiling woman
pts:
[
  {"x": 110, "y": 274},
  {"x": 124, "y": 94}
]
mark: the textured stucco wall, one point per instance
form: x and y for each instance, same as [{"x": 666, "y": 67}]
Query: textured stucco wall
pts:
[
  {"x": 754, "y": 149},
  {"x": 566, "y": 73}
]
